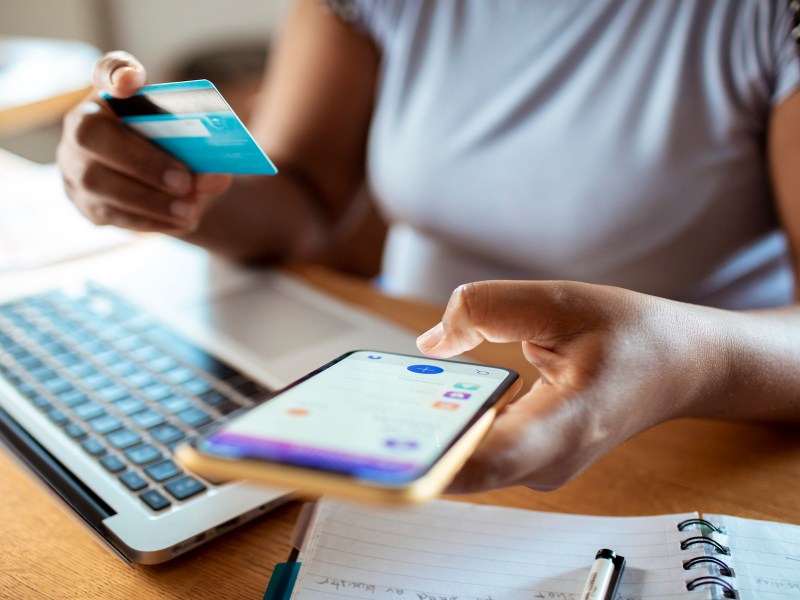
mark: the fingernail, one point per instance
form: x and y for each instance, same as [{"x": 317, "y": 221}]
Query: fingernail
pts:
[
  {"x": 178, "y": 182},
  {"x": 118, "y": 72},
  {"x": 181, "y": 210},
  {"x": 430, "y": 338}
]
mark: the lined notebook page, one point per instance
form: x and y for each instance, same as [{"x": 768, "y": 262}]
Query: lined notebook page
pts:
[
  {"x": 765, "y": 557},
  {"x": 457, "y": 551}
]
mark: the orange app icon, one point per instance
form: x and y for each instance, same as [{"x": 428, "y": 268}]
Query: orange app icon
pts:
[{"x": 445, "y": 405}]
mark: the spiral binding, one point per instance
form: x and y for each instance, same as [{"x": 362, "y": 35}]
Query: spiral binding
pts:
[
  {"x": 684, "y": 524},
  {"x": 728, "y": 591}
]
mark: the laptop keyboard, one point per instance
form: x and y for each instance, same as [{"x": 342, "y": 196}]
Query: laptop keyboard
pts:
[{"x": 119, "y": 384}]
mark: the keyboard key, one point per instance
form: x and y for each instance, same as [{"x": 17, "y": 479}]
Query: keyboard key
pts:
[
  {"x": 219, "y": 401},
  {"x": 82, "y": 369},
  {"x": 105, "y": 424},
  {"x": 124, "y": 438},
  {"x": 69, "y": 359},
  {"x": 75, "y": 432},
  {"x": 41, "y": 402},
  {"x": 213, "y": 398},
  {"x": 59, "y": 417},
  {"x": 130, "y": 405},
  {"x": 143, "y": 454},
  {"x": 55, "y": 349},
  {"x": 113, "y": 393},
  {"x": 124, "y": 368},
  {"x": 133, "y": 481},
  {"x": 185, "y": 487},
  {"x": 157, "y": 392},
  {"x": 130, "y": 343},
  {"x": 195, "y": 387},
  {"x": 140, "y": 379},
  {"x": 89, "y": 410},
  {"x": 154, "y": 500},
  {"x": 148, "y": 418},
  {"x": 79, "y": 337},
  {"x": 26, "y": 389},
  {"x": 187, "y": 351},
  {"x": 73, "y": 397},
  {"x": 93, "y": 447},
  {"x": 43, "y": 374},
  {"x": 179, "y": 375},
  {"x": 58, "y": 385},
  {"x": 95, "y": 347},
  {"x": 167, "y": 434},
  {"x": 114, "y": 332},
  {"x": 42, "y": 338},
  {"x": 162, "y": 363},
  {"x": 145, "y": 354},
  {"x": 162, "y": 470},
  {"x": 194, "y": 417},
  {"x": 112, "y": 463},
  {"x": 29, "y": 362},
  {"x": 175, "y": 404},
  {"x": 97, "y": 381},
  {"x": 107, "y": 358},
  {"x": 13, "y": 378}
]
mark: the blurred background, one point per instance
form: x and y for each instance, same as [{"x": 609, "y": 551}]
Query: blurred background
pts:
[{"x": 47, "y": 48}]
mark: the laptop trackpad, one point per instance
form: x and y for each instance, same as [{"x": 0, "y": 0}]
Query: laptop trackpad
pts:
[{"x": 267, "y": 321}]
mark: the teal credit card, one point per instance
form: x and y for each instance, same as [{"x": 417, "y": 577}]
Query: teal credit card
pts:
[{"x": 193, "y": 122}]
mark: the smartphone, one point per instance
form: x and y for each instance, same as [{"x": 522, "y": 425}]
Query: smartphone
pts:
[{"x": 369, "y": 425}]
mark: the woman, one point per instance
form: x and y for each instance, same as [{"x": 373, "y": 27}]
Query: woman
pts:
[{"x": 646, "y": 151}]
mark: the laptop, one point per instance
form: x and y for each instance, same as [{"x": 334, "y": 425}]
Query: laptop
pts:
[{"x": 106, "y": 364}]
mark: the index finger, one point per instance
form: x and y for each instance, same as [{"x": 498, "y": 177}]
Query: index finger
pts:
[{"x": 119, "y": 73}]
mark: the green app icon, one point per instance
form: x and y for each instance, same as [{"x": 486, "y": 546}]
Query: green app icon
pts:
[{"x": 466, "y": 386}]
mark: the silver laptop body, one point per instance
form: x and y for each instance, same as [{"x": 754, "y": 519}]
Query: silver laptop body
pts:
[{"x": 267, "y": 325}]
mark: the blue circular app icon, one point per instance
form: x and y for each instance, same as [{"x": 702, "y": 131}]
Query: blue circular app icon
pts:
[{"x": 425, "y": 369}]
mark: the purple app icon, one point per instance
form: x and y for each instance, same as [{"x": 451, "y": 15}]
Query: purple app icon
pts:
[
  {"x": 457, "y": 395},
  {"x": 401, "y": 444}
]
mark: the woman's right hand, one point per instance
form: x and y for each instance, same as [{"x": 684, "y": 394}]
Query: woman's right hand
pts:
[{"x": 115, "y": 176}]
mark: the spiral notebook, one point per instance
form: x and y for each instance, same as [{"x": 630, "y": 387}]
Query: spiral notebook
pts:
[{"x": 459, "y": 551}]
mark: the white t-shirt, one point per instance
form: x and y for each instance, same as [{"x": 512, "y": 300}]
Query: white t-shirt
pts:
[{"x": 614, "y": 141}]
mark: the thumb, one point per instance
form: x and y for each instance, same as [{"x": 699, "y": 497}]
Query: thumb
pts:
[
  {"x": 496, "y": 311},
  {"x": 548, "y": 314},
  {"x": 119, "y": 73}
]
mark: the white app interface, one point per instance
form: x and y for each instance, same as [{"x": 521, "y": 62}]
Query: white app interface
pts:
[{"x": 371, "y": 411}]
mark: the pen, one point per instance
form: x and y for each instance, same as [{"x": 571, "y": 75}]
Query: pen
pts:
[{"x": 604, "y": 576}]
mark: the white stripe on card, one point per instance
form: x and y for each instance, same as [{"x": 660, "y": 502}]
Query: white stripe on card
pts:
[{"x": 172, "y": 128}]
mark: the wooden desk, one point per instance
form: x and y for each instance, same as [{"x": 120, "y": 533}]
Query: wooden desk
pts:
[{"x": 737, "y": 469}]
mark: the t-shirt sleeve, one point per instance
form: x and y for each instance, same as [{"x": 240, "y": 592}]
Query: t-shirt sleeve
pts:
[
  {"x": 347, "y": 10},
  {"x": 785, "y": 35}
]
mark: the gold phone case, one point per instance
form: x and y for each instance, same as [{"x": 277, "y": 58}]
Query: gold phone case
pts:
[{"x": 312, "y": 482}]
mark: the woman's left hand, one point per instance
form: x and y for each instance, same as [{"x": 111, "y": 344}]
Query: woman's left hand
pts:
[{"x": 612, "y": 362}]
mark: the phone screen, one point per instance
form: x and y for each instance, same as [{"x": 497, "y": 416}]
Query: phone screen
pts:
[{"x": 373, "y": 415}]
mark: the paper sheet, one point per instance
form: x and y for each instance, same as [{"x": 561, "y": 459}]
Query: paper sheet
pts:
[
  {"x": 38, "y": 223},
  {"x": 765, "y": 557},
  {"x": 457, "y": 551}
]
